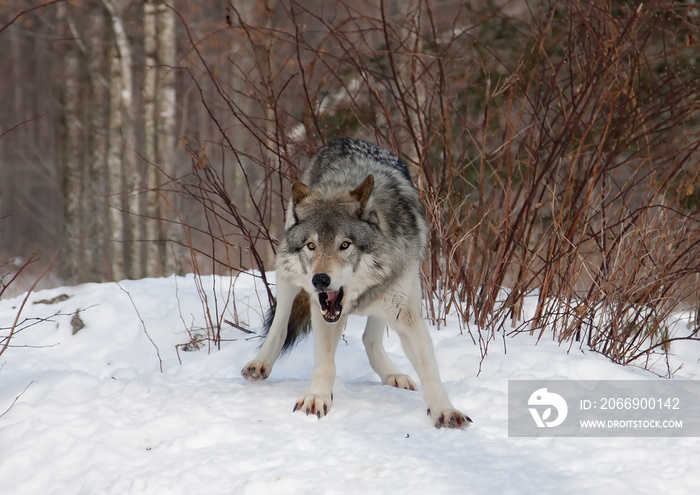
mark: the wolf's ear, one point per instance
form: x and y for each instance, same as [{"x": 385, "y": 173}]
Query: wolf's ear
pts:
[
  {"x": 299, "y": 192},
  {"x": 363, "y": 192}
]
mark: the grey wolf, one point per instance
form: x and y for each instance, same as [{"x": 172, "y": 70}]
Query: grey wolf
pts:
[{"x": 354, "y": 239}]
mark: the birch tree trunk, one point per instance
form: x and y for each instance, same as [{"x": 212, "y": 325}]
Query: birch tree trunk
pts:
[
  {"x": 123, "y": 168},
  {"x": 166, "y": 131},
  {"x": 150, "y": 88},
  {"x": 115, "y": 176},
  {"x": 159, "y": 119}
]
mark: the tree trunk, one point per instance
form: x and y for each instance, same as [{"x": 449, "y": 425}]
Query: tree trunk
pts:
[
  {"x": 172, "y": 231},
  {"x": 159, "y": 119},
  {"x": 96, "y": 190},
  {"x": 68, "y": 152},
  {"x": 126, "y": 232},
  {"x": 150, "y": 117},
  {"x": 115, "y": 178}
]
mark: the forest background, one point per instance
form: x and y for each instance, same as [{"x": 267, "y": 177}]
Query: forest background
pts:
[{"x": 555, "y": 146}]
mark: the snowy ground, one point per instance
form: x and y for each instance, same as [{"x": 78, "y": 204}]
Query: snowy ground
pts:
[{"x": 99, "y": 417}]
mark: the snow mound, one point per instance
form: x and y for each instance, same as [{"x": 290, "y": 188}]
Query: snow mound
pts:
[{"x": 87, "y": 410}]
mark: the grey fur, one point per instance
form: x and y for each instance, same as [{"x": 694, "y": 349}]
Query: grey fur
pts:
[
  {"x": 354, "y": 239},
  {"x": 391, "y": 230}
]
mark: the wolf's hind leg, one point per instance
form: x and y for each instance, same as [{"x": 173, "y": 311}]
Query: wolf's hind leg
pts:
[
  {"x": 378, "y": 358},
  {"x": 261, "y": 366}
]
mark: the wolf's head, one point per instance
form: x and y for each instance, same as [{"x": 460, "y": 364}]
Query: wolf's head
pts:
[{"x": 330, "y": 232}]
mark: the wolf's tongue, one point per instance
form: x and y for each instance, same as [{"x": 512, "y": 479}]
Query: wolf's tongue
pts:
[
  {"x": 331, "y": 306},
  {"x": 331, "y": 297}
]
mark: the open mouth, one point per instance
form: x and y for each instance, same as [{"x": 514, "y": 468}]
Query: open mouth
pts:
[{"x": 330, "y": 305}]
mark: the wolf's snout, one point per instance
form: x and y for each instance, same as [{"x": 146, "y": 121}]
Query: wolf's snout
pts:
[{"x": 320, "y": 281}]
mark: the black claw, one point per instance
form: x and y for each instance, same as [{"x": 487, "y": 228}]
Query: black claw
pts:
[
  {"x": 308, "y": 410},
  {"x": 428, "y": 411},
  {"x": 296, "y": 406},
  {"x": 318, "y": 414},
  {"x": 331, "y": 396},
  {"x": 325, "y": 409}
]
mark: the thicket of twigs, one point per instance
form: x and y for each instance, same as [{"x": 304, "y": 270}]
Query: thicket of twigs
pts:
[
  {"x": 10, "y": 272},
  {"x": 555, "y": 146}
]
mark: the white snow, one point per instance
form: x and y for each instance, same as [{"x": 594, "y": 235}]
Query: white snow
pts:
[{"x": 97, "y": 416}]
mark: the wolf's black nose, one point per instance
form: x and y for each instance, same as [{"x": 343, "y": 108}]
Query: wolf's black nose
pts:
[{"x": 320, "y": 281}]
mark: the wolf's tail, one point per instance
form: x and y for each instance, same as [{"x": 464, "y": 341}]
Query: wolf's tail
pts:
[{"x": 299, "y": 324}]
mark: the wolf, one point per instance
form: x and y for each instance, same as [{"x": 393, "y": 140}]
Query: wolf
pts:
[{"x": 354, "y": 240}]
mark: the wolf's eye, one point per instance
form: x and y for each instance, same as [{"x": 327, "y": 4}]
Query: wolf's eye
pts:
[
  {"x": 344, "y": 245},
  {"x": 311, "y": 246}
]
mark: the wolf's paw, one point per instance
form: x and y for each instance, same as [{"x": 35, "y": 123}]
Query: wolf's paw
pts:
[
  {"x": 318, "y": 404},
  {"x": 255, "y": 370},
  {"x": 400, "y": 381},
  {"x": 450, "y": 418}
]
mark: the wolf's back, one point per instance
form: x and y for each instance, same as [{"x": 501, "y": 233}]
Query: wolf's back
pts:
[{"x": 344, "y": 155}]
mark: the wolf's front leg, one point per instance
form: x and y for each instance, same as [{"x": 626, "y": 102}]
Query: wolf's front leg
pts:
[
  {"x": 261, "y": 366},
  {"x": 318, "y": 398}
]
